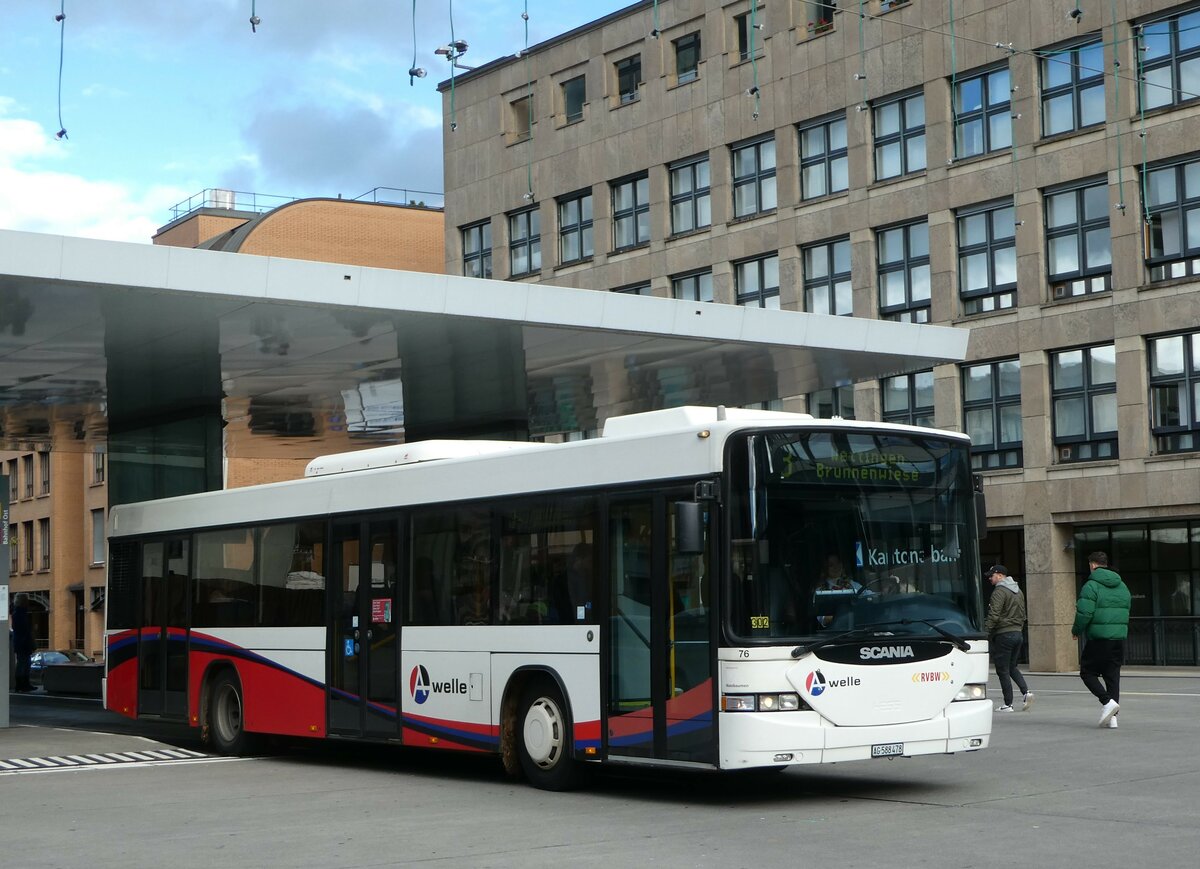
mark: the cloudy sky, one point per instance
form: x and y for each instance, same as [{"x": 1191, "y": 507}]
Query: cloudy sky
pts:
[{"x": 164, "y": 98}]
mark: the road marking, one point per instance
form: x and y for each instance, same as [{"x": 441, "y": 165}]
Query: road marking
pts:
[{"x": 110, "y": 760}]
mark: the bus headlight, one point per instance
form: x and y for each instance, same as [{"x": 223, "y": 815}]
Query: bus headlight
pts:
[
  {"x": 761, "y": 702},
  {"x": 972, "y": 691},
  {"x": 778, "y": 702}
]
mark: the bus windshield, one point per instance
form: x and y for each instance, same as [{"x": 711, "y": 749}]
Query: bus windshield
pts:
[{"x": 832, "y": 530}]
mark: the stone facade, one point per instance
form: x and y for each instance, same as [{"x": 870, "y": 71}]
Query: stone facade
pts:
[{"x": 770, "y": 84}]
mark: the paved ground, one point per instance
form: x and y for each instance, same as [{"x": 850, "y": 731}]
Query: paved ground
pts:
[{"x": 1052, "y": 791}]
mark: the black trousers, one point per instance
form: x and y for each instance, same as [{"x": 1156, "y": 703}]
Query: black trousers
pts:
[
  {"x": 1006, "y": 653},
  {"x": 1102, "y": 660}
]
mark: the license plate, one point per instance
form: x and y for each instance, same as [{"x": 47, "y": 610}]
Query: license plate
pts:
[{"x": 888, "y": 749}]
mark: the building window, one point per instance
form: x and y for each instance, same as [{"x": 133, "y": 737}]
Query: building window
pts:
[
  {"x": 1173, "y": 201},
  {"x": 574, "y": 94},
  {"x": 44, "y": 542},
  {"x": 992, "y": 413},
  {"x": 1078, "y": 244},
  {"x": 97, "y": 537},
  {"x": 691, "y": 208},
  {"x": 696, "y": 287},
  {"x": 634, "y": 290},
  {"x": 1175, "y": 392},
  {"x": 44, "y": 467},
  {"x": 13, "y": 480},
  {"x": 754, "y": 178},
  {"x": 899, "y": 136},
  {"x": 987, "y": 258},
  {"x": 1170, "y": 60},
  {"x": 823, "y": 158},
  {"x": 520, "y": 112},
  {"x": 1072, "y": 88},
  {"x": 827, "y": 277},
  {"x": 758, "y": 282},
  {"x": 820, "y": 15},
  {"x": 908, "y": 398},
  {"x": 27, "y": 545},
  {"x": 904, "y": 272},
  {"x": 982, "y": 113},
  {"x": 631, "y": 212},
  {"x": 687, "y": 57},
  {"x": 749, "y": 27},
  {"x": 1084, "y": 387},
  {"x": 98, "y": 457},
  {"x": 831, "y": 403},
  {"x": 629, "y": 78},
  {"x": 524, "y": 242},
  {"x": 27, "y": 473},
  {"x": 13, "y": 549},
  {"x": 477, "y": 250},
  {"x": 575, "y": 228}
]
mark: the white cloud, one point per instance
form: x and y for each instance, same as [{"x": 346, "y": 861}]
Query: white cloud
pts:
[{"x": 35, "y": 198}]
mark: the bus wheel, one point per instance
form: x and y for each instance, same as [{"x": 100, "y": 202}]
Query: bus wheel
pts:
[
  {"x": 226, "y": 724},
  {"x": 544, "y": 740}
]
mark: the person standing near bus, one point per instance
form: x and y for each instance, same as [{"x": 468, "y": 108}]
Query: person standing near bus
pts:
[
  {"x": 1004, "y": 626},
  {"x": 1102, "y": 619},
  {"x": 22, "y": 641}
]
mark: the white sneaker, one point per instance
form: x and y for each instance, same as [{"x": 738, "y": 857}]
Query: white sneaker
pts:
[
  {"x": 1112, "y": 723},
  {"x": 1004, "y": 709},
  {"x": 1108, "y": 711},
  {"x": 1028, "y": 704}
]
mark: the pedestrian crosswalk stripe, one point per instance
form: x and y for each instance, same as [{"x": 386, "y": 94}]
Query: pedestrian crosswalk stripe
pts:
[{"x": 80, "y": 761}]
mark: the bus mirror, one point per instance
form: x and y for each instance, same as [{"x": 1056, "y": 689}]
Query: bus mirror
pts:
[
  {"x": 689, "y": 531},
  {"x": 980, "y": 505}
]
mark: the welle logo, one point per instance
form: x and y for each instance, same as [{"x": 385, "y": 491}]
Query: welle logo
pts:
[{"x": 420, "y": 686}]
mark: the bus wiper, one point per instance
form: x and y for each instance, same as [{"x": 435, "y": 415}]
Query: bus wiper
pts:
[
  {"x": 828, "y": 641},
  {"x": 958, "y": 641}
]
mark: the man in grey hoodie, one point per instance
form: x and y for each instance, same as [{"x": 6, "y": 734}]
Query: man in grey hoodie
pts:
[{"x": 1004, "y": 625}]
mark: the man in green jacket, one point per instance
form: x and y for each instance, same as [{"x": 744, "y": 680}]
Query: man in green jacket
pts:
[{"x": 1102, "y": 617}]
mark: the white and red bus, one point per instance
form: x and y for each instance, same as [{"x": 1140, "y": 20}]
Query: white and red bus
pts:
[{"x": 655, "y": 596}]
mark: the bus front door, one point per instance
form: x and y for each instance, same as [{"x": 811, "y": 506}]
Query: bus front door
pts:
[
  {"x": 660, "y": 692},
  {"x": 363, "y": 640},
  {"x": 162, "y": 629}
]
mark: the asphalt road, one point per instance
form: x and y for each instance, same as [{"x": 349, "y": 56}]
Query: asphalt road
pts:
[{"x": 1053, "y": 790}]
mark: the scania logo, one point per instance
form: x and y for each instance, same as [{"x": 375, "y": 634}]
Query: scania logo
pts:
[
  {"x": 418, "y": 683},
  {"x": 874, "y": 653}
]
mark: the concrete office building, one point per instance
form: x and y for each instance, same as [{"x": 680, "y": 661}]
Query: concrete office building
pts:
[{"x": 989, "y": 165}]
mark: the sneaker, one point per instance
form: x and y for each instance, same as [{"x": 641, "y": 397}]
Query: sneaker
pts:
[
  {"x": 1004, "y": 709},
  {"x": 1112, "y": 723},
  {"x": 1028, "y": 704},
  {"x": 1108, "y": 711}
]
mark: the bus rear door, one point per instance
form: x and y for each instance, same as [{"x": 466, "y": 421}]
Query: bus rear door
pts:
[
  {"x": 362, "y": 635},
  {"x": 162, "y": 631}
]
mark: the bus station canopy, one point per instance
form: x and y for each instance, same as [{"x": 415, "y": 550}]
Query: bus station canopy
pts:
[{"x": 108, "y": 341}]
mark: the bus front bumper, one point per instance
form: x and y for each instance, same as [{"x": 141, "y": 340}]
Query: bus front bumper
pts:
[{"x": 764, "y": 739}]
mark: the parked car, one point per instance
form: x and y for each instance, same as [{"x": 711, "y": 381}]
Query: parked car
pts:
[{"x": 43, "y": 658}]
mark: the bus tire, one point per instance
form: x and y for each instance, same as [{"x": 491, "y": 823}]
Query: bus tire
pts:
[
  {"x": 226, "y": 719},
  {"x": 544, "y": 739}
]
